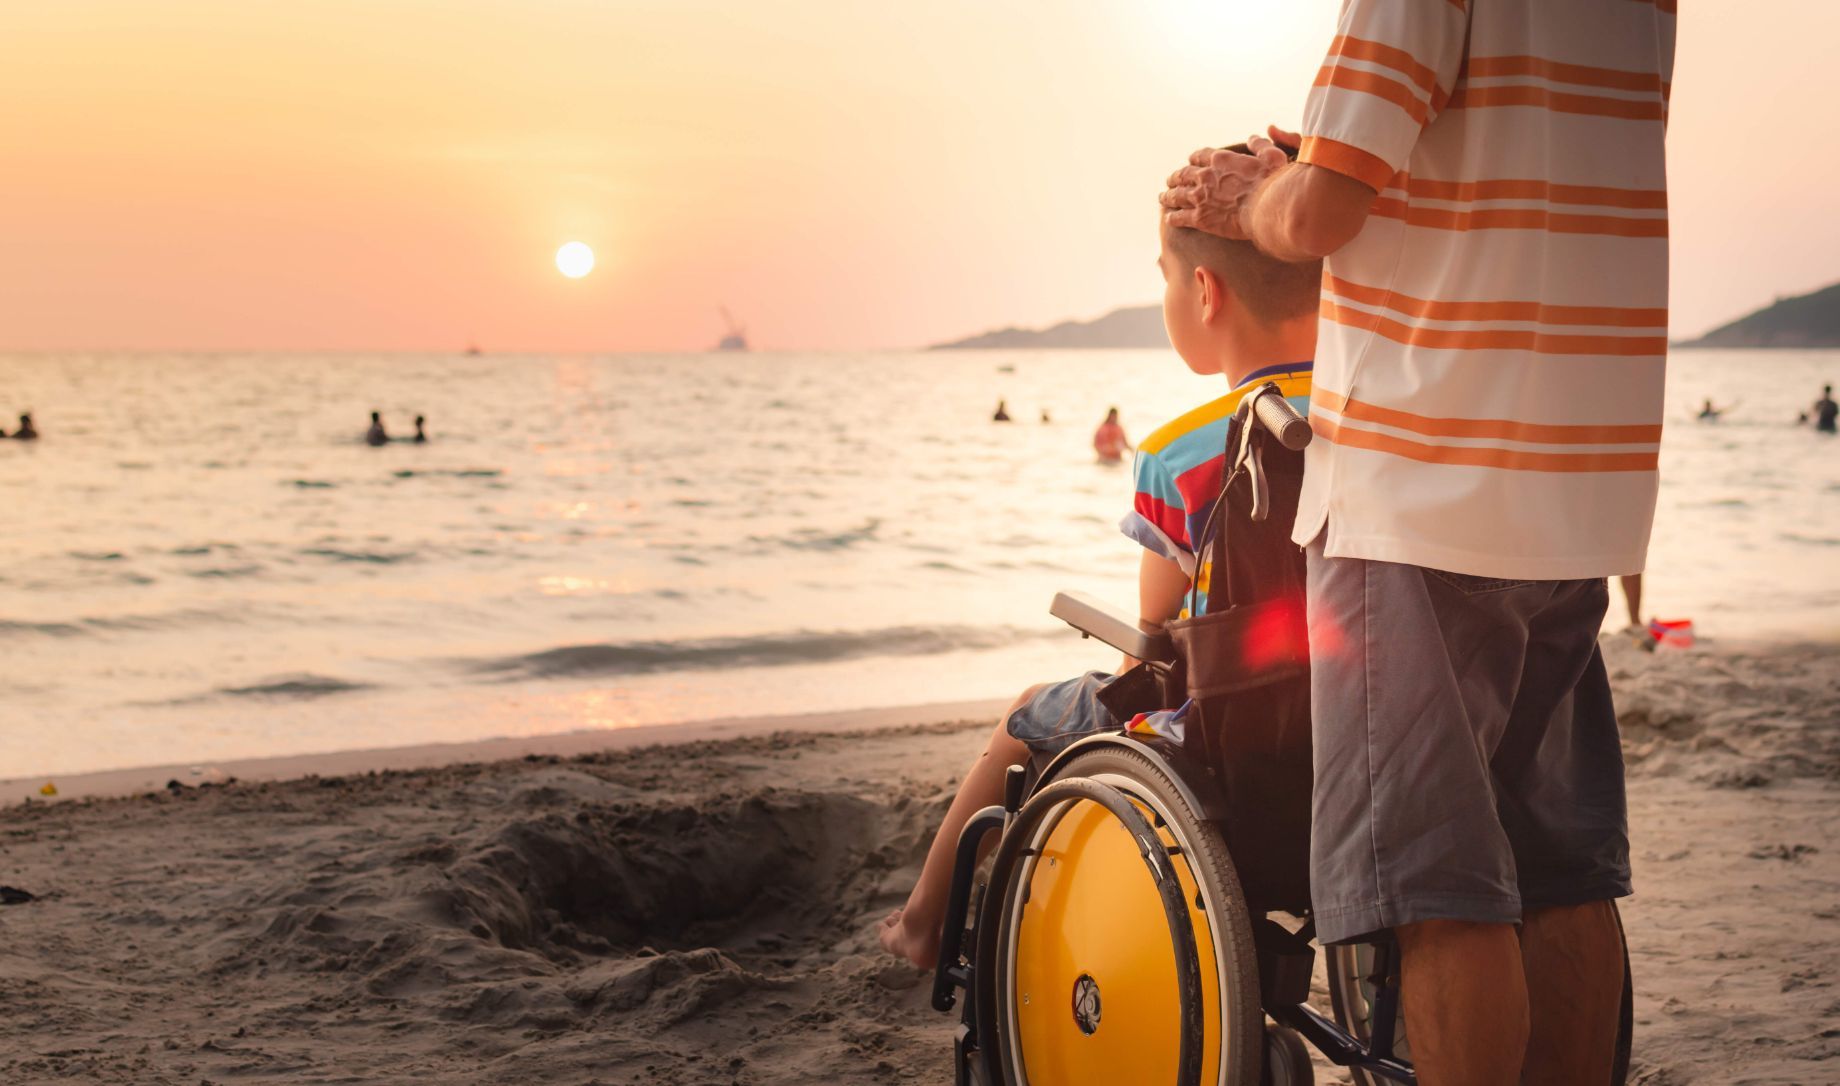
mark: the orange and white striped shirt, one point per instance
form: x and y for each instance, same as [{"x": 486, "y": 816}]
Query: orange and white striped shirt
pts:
[{"x": 1489, "y": 372}]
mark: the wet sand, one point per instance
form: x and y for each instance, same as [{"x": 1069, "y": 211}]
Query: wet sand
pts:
[{"x": 705, "y": 912}]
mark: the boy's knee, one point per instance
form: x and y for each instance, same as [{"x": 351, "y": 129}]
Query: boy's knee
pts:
[{"x": 1023, "y": 699}]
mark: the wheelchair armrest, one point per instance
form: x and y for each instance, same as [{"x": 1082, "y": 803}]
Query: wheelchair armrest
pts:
[{"x": 1095, "y": 619}]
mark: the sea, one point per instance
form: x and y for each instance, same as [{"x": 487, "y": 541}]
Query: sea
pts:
[{"x": 201, "y": 560}]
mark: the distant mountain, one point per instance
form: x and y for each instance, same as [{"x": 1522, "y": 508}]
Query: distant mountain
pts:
[
  {"x": 1133, "y": 326},
  {"x": 1811, "y": 320}
]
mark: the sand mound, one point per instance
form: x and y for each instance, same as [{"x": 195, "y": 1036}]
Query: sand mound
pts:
[{"x": 573, "y": 921}]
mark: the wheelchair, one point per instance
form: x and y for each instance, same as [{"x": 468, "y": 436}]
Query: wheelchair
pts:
[{"x": 1144, "y": 916}]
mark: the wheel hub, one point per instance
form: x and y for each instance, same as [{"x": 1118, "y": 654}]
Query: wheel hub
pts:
[{"x": 1086, "y": 1004}]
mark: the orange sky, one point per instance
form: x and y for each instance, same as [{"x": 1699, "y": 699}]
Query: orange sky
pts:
[{"x": 386, "y": 174}]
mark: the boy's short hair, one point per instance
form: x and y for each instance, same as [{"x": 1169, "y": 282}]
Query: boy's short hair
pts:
[{"x": 1272, "y": 290}]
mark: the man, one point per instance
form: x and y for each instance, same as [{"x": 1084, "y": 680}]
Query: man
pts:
[{"x": 1486, "y": 180}]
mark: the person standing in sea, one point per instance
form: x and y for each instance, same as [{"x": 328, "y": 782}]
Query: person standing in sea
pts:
[
  {"x": 1487, "y": 182},
  {"x": 1109, "y": 440}
]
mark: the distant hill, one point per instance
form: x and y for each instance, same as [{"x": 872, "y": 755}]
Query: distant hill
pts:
[
  {"x": 1133, "y": 326},
  {"x": 1811, "y": 320}
]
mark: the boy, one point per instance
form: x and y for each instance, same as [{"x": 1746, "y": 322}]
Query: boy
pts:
[{"x": 1229, "y": 310}]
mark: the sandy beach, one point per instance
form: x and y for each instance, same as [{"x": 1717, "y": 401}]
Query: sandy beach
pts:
[{"x": 704, "y": 912}]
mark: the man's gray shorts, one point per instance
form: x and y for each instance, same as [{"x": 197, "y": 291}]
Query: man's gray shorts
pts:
[{"x": 1467, "y": 760}]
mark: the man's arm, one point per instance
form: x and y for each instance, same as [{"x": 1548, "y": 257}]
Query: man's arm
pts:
[{"x": 1303, "y": 212}]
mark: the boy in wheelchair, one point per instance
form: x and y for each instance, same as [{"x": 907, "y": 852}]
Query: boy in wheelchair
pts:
[{"x": 1229, "y": 310}]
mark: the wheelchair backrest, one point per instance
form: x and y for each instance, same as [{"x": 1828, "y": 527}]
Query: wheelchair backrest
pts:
[{"x": 1245, "y": 666}]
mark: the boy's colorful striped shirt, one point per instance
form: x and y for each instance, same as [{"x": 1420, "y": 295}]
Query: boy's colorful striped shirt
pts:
[
  {"x": 1492, "y": 343},
  {"x": 1179, "y": 466}
]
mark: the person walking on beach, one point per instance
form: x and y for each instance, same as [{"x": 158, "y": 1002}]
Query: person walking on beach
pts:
[
  {"x": 1486, "y": 181},
  {"x": 1825, "y": 410},
  {"x": 1109, "y": 440}
]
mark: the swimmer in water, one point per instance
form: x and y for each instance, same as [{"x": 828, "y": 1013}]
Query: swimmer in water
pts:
[
  {"x": 1109, "y": 440},
  {"x": 1002, "y": 414},
  {"x": 26, "y": 431},
  {"x": 376, "y": 435},
  {"x": 1825, "y": 410},
  {"x": 1710, "y": 413},
  {"x": 421, "y": 438}
]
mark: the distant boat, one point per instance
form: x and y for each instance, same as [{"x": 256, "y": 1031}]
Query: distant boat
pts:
[{"x": 736, "y": 339}]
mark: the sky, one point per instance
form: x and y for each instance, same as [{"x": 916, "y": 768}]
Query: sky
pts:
[{"x": 841, "y": 174}]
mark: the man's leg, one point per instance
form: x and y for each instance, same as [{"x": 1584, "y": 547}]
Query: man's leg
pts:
[
  {"x": 1559, "y": 787},
  {"x": 1465, "y": 1001},
  {"x": 913, "y": 931},
  {"x": 1573, "y": 960}
]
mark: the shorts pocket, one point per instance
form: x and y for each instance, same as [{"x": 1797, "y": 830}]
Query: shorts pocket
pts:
[{"x": 1471, "y": 585}]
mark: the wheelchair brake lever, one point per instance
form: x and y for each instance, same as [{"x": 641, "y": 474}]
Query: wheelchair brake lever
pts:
[{"x": 1250, "y": 456}]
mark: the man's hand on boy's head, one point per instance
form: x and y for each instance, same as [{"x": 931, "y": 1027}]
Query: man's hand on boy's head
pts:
[{"x": 1211, "y": 193}]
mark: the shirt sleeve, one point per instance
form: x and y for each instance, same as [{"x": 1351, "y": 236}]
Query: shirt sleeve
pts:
[
  {"x": 1158, "y": 520},
  {"x": 1389, "y": 71}
]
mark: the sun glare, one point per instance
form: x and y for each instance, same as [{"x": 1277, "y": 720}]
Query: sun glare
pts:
[{"x": 575, "y": 260}]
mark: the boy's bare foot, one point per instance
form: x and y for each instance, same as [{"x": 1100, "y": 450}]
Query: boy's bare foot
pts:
[{"x": 920, "y": 948}]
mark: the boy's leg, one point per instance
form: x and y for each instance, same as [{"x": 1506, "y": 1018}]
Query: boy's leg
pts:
[{"x": 913, "y": 931}]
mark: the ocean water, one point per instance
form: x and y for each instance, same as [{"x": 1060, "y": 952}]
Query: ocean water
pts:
[{"x": 201, "y": 560}]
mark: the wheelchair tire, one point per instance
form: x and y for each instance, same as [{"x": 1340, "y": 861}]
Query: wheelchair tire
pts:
[
  {"x": 1055, "y": 966},
  {"x": 1350, "y": 995},
  {"x": 1351, "y": 998}
]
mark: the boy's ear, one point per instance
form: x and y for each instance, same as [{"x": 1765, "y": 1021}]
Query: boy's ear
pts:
[{"x": 1213, "y": 294}]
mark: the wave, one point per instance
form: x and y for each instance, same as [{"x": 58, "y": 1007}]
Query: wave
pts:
[
  {"x": 375, "y": 557},
  {"x": 813, "y": 539},
  {"x": 43, "y": 629},
  {"x": 294, "y": 686},
  {"x": 85, "y": 627},
  {"x": 226, "y": 572},
  {"x": 765, "y": 650},
  {"x": 196, "y": 549}
]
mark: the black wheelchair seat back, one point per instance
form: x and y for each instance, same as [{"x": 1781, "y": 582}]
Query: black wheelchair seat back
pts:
[{"x": 1244, "y": 667}]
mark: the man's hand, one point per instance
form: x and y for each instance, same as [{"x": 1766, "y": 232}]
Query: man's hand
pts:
[{"x": 1213, "y": 192}]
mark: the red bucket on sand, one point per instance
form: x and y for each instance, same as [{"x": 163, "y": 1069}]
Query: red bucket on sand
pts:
[{"x": 1675, "y": 634}]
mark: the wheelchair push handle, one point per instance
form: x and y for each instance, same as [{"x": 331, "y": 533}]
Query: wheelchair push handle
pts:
[{"x": 1283, "y": 422}]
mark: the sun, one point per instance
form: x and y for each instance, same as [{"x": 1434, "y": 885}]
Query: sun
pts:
[{"x": 575, "y": 260}]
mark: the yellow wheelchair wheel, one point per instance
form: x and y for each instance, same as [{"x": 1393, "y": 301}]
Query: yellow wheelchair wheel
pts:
[{"x": 1115, "y": 944}]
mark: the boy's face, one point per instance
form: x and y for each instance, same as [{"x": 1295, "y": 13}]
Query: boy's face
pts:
[{"x": 1184, "y": 314}]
